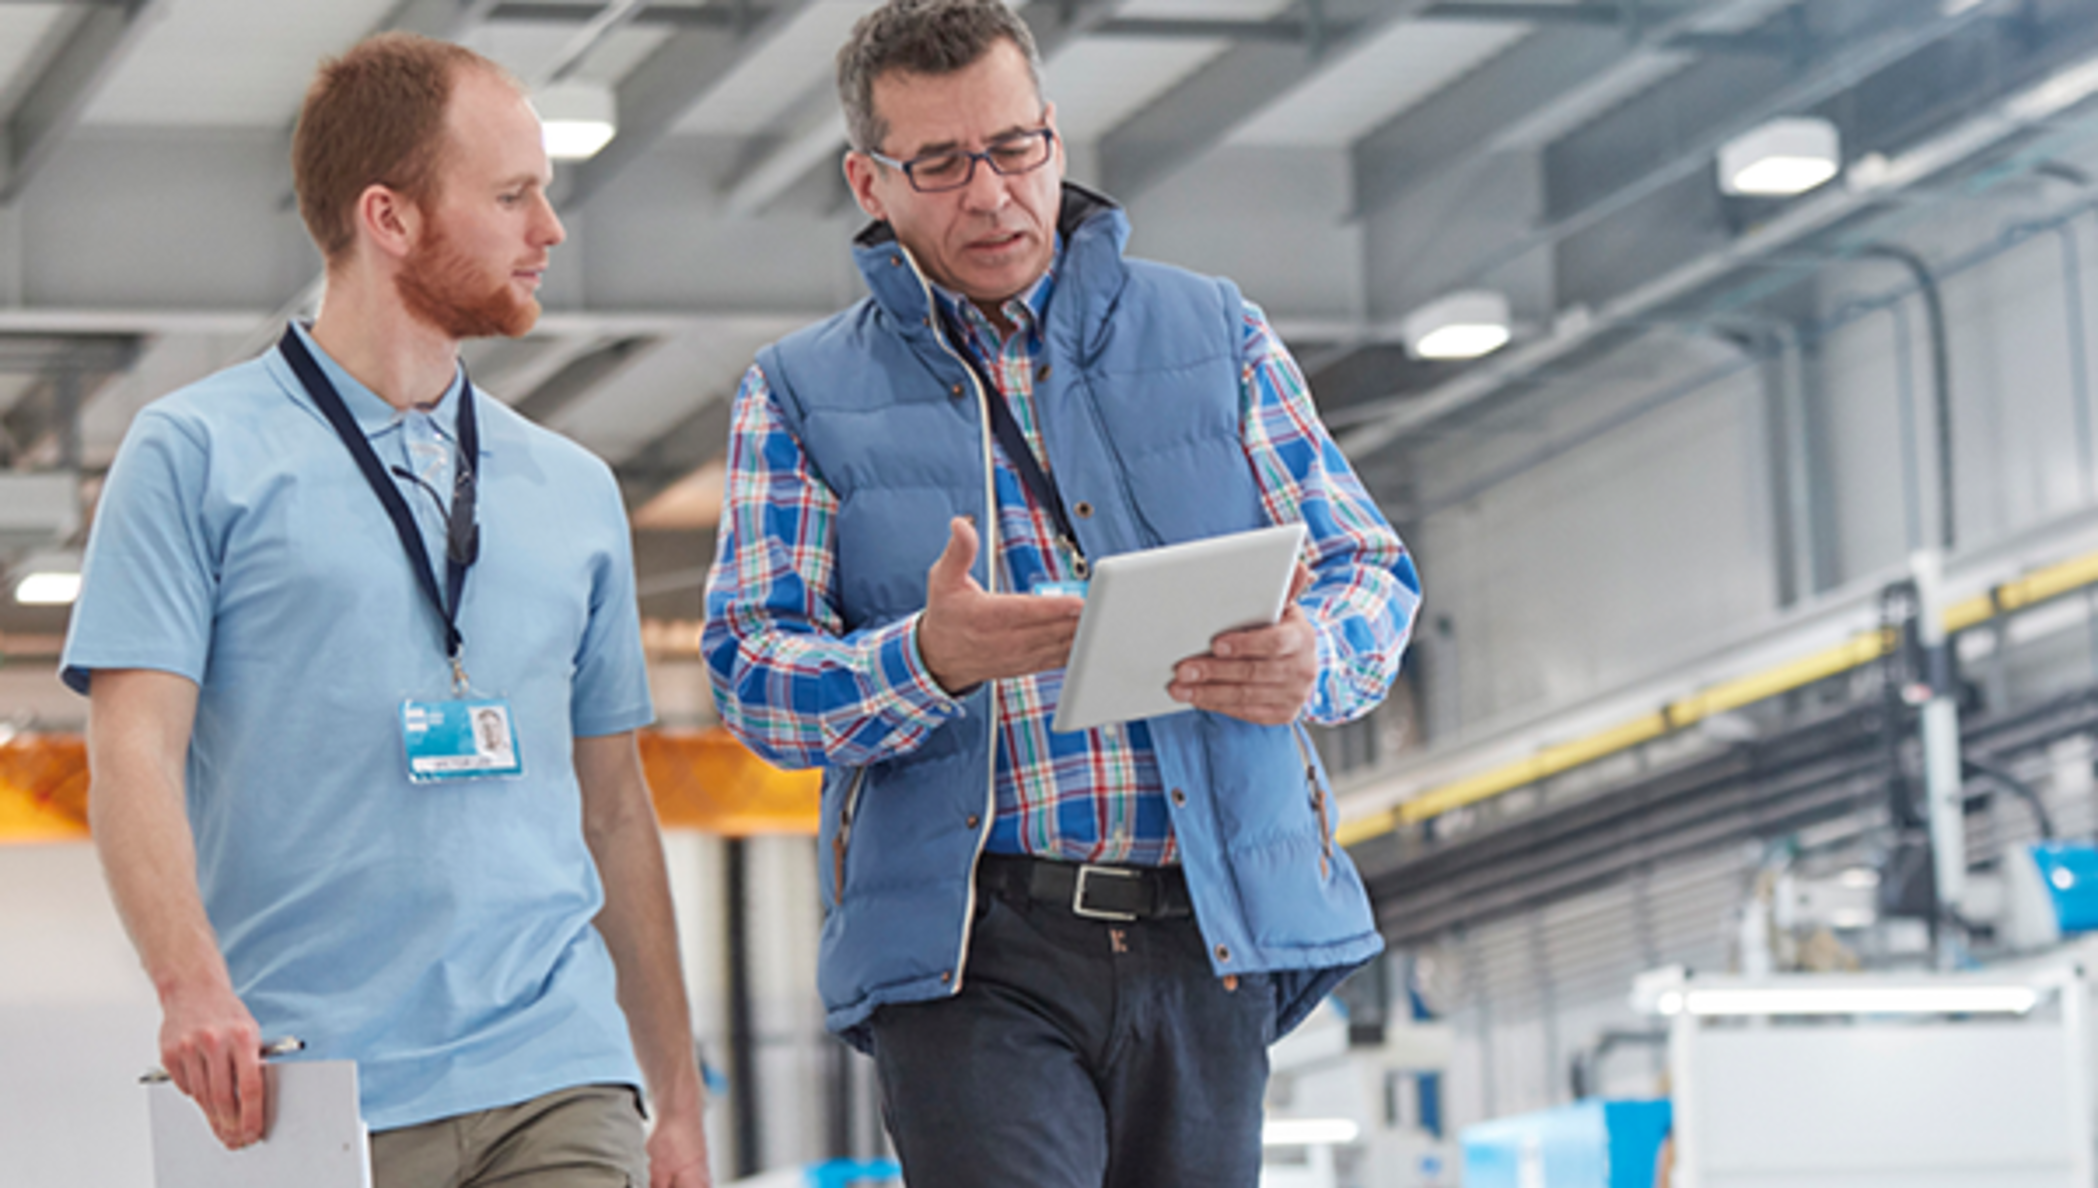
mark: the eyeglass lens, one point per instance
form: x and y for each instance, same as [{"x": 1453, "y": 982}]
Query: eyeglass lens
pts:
[{"x": 951, "y": 171}]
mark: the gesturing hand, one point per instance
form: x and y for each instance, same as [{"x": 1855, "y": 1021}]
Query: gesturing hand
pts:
[
  {"x": 1262, "y": 674},
  {"x": 967, "y": 636}
]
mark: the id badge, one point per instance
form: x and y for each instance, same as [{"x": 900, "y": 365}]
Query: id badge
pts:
[
  {"x": 1059, "y": 589},
  {"x": 467, "y": 739}
]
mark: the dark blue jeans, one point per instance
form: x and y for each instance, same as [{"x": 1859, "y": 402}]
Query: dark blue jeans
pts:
[{"x": 1079, "y": 1054}]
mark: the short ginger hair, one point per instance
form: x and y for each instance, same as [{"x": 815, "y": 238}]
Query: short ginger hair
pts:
[{"x": 374, "y": 116}]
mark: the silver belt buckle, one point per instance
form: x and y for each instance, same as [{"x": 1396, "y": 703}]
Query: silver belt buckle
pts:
[{"x": 1078, "y": 905}]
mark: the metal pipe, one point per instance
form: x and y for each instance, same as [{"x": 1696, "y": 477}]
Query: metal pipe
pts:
[
  {"x": 1939, "y": 728},
  {"x": 66, "y": 392},
  {"x": 837, "y": 1077},
  {"x": 1833, "y": 79},
  {"x": 2018, "y": 788},
  {"x": 1396, "y": 416},
  {"x": 1940, "y": 374},
  {"x": 742, "y": 1034},
  {"x": 1905, "y": 408},
  {"x": 608, "y": 20},
  {"x": 2079, "y": 362}
]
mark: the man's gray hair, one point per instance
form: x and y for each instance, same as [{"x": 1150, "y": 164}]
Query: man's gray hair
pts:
[{"x": 921, "y": 37}]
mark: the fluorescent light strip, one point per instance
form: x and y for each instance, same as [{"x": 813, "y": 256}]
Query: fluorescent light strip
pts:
[
  {"x": 48, "y": 589},
  {"x": 1783, "y": 176},
  {"x": 1308, "y": 1132},
  {"x": 1462, "y": 341},
  {"x": 576, "y": 140},
  {"x": 1851, "y": 1000}
]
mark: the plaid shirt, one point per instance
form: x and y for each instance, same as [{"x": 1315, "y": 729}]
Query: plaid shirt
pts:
[{"x": 825, "y": 696}]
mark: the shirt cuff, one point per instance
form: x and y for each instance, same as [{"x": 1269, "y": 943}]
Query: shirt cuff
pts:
[{"x": 906, "y": 682}]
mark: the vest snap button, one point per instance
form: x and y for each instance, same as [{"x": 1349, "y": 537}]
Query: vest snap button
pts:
[
  {"x": 1042, "y": 374},
  {"x": 974, "y": 820},
  {"x": 946, "y": 976},
  {"x": 955, "y": 391},
  {"x": 1230, "y": 983},
  {"x": 1084, "y": 510},
  {"x": 895, "y": 261},
  {"x": 1179, "y": 797},
  {"x": 1223, "y": 954}
]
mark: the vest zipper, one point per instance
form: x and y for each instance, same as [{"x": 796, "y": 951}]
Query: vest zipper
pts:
[
  {"x": 988, "y": 531},
  {"x": 842, "y": 839},
  {"x": 1318, "y": 800}
]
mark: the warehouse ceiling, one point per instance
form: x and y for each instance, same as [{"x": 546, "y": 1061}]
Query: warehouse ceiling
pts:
[{"x": 1345, "y": 160}]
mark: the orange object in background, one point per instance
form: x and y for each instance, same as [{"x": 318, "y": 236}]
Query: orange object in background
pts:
[
  {"x": 702, "y": 780},
  {"x": 43, "y": 788},
  {"x": 706, "y": 780}
]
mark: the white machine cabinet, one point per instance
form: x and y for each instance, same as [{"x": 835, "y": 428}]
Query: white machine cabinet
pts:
[{"x": 1969, "y": 1080}]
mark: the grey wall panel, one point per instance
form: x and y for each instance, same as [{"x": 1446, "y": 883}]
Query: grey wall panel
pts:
[{"x": 1578, "y": 574}]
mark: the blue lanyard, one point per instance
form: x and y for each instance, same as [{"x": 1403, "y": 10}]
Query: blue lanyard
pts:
[
  {"x": 1006, "y": 428},
  {"x": 462, "y": 532}
]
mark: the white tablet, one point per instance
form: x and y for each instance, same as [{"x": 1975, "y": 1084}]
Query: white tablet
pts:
[{"x": 1146, "y": 612}]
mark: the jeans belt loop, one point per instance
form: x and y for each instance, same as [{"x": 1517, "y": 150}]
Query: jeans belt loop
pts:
[{"x": 1078, "y": 887}]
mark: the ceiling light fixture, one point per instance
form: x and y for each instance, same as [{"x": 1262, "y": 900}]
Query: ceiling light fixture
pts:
[
  {"x": 1463, "y": 325},
  {"x": 1781, "y": 158},
  {"x": 48, "y": 579},
  {"x": 577, "y": 118}
]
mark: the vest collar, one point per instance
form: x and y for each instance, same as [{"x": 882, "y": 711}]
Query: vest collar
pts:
[{"x": 1094, "y": 231}]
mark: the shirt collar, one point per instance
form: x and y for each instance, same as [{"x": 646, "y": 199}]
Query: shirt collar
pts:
[
  {"x": 1025, "y": 310},
  {"x": 374, "y": 415}
]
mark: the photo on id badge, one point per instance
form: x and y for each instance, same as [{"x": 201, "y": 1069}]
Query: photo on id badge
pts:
[{"x": 460, "y": 739}]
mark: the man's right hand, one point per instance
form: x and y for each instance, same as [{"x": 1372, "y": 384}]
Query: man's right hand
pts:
[
  {"x": 968, "y": 636},
  {"x": 211, "y": 1048}
]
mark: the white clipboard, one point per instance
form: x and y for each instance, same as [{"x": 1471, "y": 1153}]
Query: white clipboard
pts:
[
  {"x": 315, "y": 1138},
  {"x": 1146, "y": 612}
]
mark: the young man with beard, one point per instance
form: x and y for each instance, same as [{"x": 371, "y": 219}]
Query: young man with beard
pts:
[
  {"x": 1067, "y": 953},
  {"x": 310, "y": 576}
]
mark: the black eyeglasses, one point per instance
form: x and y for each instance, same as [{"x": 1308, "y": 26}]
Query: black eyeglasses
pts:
[{"x": 951, "y": 169}]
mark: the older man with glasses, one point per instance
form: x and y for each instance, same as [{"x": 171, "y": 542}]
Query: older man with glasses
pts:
[{"x": 1067, "y": 952}]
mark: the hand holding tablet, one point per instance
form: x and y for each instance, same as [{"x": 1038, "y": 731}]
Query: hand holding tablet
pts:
[{"x": 1148, "y": 613}]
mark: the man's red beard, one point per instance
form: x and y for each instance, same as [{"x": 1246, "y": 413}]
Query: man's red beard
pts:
[{"x": 443, "y": 287}]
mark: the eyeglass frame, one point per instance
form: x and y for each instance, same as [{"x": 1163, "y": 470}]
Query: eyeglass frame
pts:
[{"x": 909, "y": 168}]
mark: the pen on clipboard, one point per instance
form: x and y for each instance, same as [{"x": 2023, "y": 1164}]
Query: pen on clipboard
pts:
[{"x": 276, "y": 1047}]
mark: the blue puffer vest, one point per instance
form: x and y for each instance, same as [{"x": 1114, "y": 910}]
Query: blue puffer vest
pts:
[{"x": 1139, "y": 410}]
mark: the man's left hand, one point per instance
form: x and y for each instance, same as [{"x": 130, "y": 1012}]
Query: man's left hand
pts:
[
  {"x": 1262, "y": 675},
  {"x": 677, "y": 1152}
]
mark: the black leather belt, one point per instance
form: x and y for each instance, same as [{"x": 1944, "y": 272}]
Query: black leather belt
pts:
[{"x": 1094, "y": 892}]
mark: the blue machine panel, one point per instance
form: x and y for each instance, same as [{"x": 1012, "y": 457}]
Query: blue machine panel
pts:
[
  {"x": 1591, "y": 1144},
  {"x": 2069, "y": 870}
]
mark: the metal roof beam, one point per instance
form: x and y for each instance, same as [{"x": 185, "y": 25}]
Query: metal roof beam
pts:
[
  {"x": 677, "y": 452},
  {"x": 579, "y": 375},
  {"x": 1201, "y": 112},
  {"x": 445, "y": 19},
  {"x": 62, "y": 91},
  {"x": 818, "y": 134},
  {"x": 658, "y": 93}
]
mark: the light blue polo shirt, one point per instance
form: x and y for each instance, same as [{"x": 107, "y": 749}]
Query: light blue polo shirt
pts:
[{"x": 440, "y": 935}]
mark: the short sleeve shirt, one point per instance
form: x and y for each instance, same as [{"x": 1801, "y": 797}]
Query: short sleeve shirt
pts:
[{"x": 440, "y": 935}]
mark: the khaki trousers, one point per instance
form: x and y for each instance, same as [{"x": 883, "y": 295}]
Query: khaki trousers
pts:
[{"x": 590, "y": 1136}]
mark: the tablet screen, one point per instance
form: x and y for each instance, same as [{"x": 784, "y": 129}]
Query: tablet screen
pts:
[{"x": 1146, "y": 612}]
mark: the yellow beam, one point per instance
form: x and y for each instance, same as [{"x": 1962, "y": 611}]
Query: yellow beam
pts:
[{"x": 1862, "y": 649}]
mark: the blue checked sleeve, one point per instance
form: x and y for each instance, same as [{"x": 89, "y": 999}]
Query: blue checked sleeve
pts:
[
  {"x": 1365, "y": 592},
  {"x": 789, "y": 679}
]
